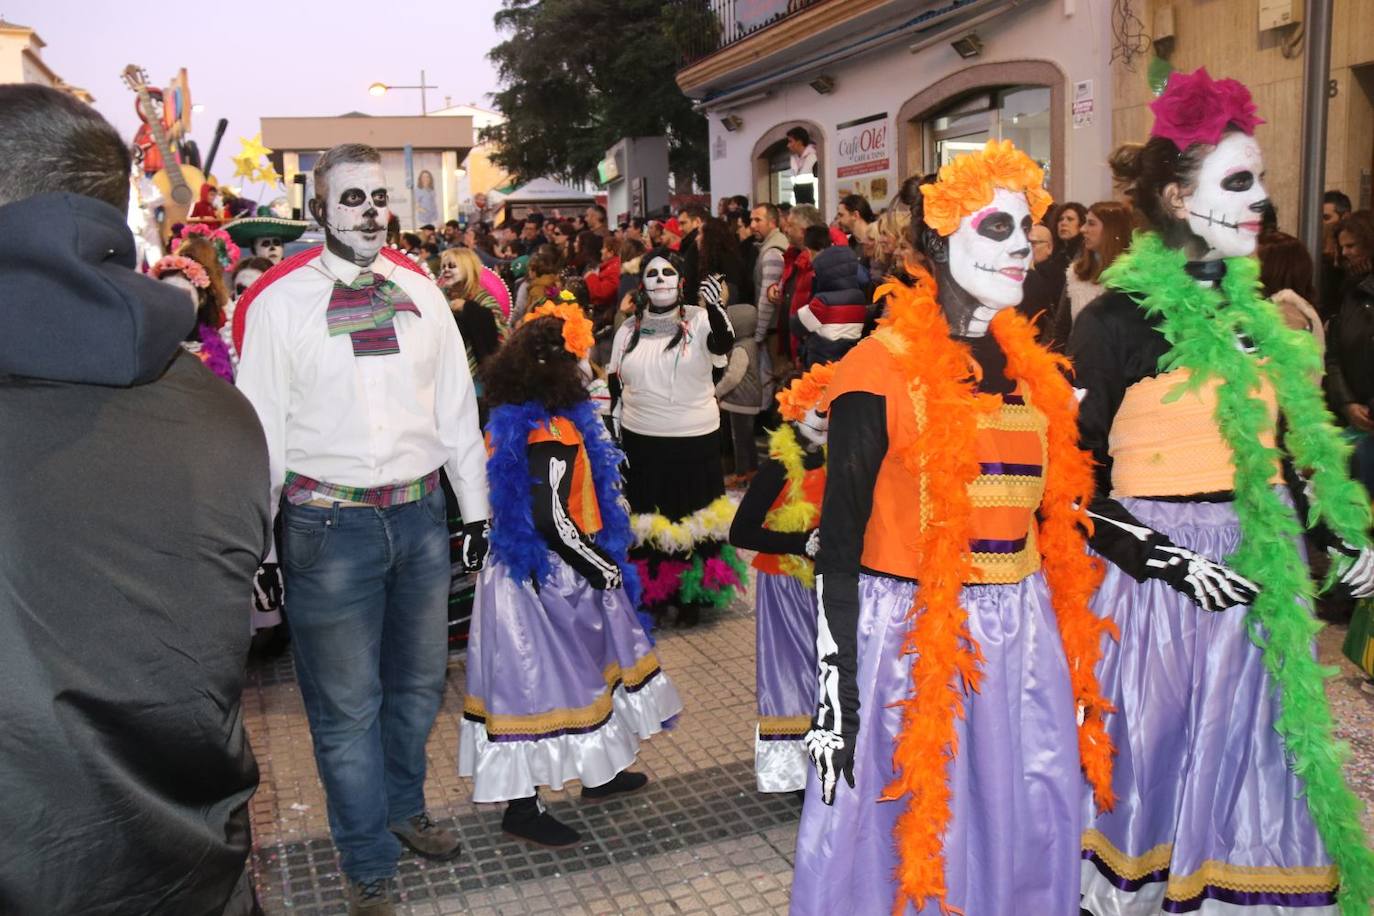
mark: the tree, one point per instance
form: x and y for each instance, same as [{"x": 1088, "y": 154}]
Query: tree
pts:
[{"x": 577, "y": 75}]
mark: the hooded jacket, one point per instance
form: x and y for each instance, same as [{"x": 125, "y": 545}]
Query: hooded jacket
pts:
[
  {"x": 833, "y": 321},
  {"x": 739, "y": 389},
  {"x": 133, "y": 514}
]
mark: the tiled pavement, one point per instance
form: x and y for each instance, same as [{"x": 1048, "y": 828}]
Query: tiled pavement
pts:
[{"x": 698, "y": 840}]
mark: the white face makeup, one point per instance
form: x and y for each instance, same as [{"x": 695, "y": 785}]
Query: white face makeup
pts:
[
  {"x": 180, "y": 282},
  {"x": 355, "y": 212},
  {"x": 662, "y": 282},
  {"x": 1224, "y": 206},
  {"x": 244, "y": 279},
  {"x": 269, "y": 248},
  {"x": 990, "y": 252},
  {"x": 814, "y": 427}
]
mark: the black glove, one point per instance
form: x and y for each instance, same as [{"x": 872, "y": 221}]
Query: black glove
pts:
[
  {"x": 830, "y": 742},
  {"x": 608, "y": 579},
  {"x": 267, "y": 588},
  {"x": 475, "y": 545},
  {"x": 1356, "y": 566}
]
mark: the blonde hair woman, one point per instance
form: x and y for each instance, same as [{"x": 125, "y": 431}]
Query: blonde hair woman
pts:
[{"x": 477, "y": 313}]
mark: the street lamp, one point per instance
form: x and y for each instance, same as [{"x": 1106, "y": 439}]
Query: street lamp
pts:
[{"x": 380, "y": 89}]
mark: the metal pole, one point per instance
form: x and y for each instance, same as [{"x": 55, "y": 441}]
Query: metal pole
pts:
[
  {"x": 425, "y": 111},
  {"x": 1316, "y": 73}
]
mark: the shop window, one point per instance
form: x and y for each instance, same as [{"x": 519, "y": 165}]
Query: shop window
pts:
[
  {"x": 1020, "y": 114},
  {"x": 780, "y": 184}
]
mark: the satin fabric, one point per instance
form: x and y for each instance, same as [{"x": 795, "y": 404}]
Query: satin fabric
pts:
[
  {"x": 545, "y": 653},
  {"x": 1011, "y": 848},
  {"x": 785, "y": 631},
  {"x": 1199, "y": 768}
]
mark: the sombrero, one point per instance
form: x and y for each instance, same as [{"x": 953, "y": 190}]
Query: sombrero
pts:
[{"x": 247, "y": 229}]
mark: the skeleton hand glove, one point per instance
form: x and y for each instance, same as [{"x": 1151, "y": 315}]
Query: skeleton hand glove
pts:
[
  {"x": 475, "y": 544},
  {"x": 1357, "y": 565},
  {"x": 1211, "y": 585},
  {"x": 267, "y": 588},
  {"x": 830, "y": 742},
  {"x": 813, "y": 543},
  {"x": 712, "y": 291}
]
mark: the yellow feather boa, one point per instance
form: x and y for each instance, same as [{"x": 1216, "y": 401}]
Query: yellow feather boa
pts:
[
  {"x": 796, "y": 514},
  {"x": 709, "y": 523}
]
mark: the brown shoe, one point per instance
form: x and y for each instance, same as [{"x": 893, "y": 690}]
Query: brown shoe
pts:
[
  {"x": 370, "y": 898},
  {"x": 427, "y": 839}
]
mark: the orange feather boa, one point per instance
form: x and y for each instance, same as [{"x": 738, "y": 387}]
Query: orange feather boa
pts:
[{"x": 946, "y": 659}]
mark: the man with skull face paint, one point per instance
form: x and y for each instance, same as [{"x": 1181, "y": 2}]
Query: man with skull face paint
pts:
[
  {"x": 359, "y": 376},
  {"x": 661, "y": 367},
  {"x": 1229, "y": 792},
  {"x": 954, "y": 639}
]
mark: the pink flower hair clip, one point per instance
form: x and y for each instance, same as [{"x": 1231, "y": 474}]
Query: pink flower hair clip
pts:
[
  {"x": 175, "y": 263},
  {"x": 1195, "y": 108}
]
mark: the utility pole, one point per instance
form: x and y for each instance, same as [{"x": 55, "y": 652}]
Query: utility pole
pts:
[{"x": 1316, "y": 77}]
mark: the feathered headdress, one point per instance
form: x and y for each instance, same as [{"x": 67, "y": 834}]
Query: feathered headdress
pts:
[{"x": 967, "y": 183}]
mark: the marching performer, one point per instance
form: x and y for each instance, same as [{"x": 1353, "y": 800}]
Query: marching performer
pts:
[
  {"x": 562, "y": 680},
  {"x": 1229, "y": 792},
  {"x": 779, "y": 517},
  {"x": 956, "y": 649}
]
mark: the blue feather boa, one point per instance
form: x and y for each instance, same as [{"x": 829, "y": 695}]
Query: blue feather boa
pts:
[{"x": 514, "y": 540}]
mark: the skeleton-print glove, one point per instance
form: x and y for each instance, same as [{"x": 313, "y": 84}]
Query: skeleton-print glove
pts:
[
  {"x": 712, "y": 291},
  {"x": 1356, "y": 566},
  {"x": 474, "y": 545},
  {"x": 830, "y": 742},
  {"x": 813, "y": 543},
  {"x": 1212, "y": 586},
  {"x": 267, "y": 588}
]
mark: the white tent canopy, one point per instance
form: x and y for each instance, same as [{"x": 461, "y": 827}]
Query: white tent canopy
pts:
[{"x": 546, "y": 190}]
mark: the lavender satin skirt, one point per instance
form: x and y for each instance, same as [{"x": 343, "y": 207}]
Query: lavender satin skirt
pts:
[
  {"x": 562, "y": 684},
  {"x": 1209, "y": 818},
  {"x": 785, "y": 627},
  {"x": 1011, "y": 848}
]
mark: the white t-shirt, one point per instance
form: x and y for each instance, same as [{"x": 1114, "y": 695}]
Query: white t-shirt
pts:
[{"x": 665, "y": 392}]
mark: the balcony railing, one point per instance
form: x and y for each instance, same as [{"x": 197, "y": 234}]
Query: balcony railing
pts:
[{"x": 700, "y": 28}]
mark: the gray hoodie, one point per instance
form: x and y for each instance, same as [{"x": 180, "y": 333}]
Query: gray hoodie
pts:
[{"x": 739, "y": 389}]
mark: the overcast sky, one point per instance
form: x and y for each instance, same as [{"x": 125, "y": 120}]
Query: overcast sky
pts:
[{"x": 252, "y": 60}]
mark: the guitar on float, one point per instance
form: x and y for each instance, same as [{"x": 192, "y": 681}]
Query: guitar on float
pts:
[{"x": 179, "y": 184}]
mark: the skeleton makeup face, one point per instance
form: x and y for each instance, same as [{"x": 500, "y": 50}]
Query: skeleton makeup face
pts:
[
  {"x": 354, "y": 211},
  {"x": 813, "y": 428},
  {"x": 244, "y": 279},
  {"x": 663, "y": 284},
  {"x": 269, "y": 248},
  {"x": 990, "y": 253},
  {"x": 1223, "y": 208}
]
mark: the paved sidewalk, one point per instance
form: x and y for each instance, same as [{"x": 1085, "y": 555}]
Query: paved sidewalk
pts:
[{"x": 699, "y": 839}]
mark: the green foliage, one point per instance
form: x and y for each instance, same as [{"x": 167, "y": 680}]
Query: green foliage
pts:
[{"x": 578, "y": 75}]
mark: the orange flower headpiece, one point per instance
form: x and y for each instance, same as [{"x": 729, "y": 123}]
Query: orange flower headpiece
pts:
[
  {"x": 577, "y": 327},
  {"x": 966, "y": 185},
  {"x": 805, "y": 393}
]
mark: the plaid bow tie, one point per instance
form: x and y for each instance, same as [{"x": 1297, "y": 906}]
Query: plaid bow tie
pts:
[{"x": 364, "y": 310}]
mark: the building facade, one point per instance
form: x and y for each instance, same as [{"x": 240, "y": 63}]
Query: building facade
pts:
[
  {"x": 889, "y": 89},
  {"x": 21, "y": 61}
]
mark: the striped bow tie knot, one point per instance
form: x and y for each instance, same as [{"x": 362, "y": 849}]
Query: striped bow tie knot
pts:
[{"x": 365, "y": 310}]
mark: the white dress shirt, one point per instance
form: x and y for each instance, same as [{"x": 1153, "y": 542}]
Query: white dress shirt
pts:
[{"x": 362, "y": 421}]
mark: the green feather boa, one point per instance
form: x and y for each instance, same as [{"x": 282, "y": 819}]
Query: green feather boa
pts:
[{"x": 1201, "y": 325}]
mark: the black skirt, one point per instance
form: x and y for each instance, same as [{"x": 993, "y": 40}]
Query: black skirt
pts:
[{"x": 672, "y": 475}]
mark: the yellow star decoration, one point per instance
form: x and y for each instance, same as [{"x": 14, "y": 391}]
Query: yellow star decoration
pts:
[
  {"x": 267, "y": 175},
  {"x": 254, "y": 148},
  {"x": 244, "y": 166}
]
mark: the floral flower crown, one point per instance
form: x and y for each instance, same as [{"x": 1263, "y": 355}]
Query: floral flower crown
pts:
[
  {"x": 1194, "y": 108},
  {"x": 967, "y": 183},
  {"x": 577, "y": 327},
  {"x": 225, "y": 249},
  {"x": 805, "y": 393},
  {"x": 175, "y": 263}
]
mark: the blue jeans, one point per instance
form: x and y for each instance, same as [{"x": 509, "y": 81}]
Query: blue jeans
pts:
[{"x": 368, "y": 604}]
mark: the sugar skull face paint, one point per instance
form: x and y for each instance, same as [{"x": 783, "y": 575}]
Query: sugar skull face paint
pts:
[
  {"x": 1224, "y": 205},
  {"x": 813, "y": 428},
  {"x": 663, "y": 283},
  {"x": 353, "y": 211},
  {"x": 269, "y": 248},
  {"x": 990, "y": 252}
]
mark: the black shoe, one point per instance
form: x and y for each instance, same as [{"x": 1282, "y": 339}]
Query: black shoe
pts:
[
  {"x": 689, "y": 615},
  {"x": 623, "y": 783},
  {"x": 527, "y": 819}
]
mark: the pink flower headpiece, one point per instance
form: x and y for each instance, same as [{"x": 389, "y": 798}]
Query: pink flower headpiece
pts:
[
  {"x": 1195, "y": 108},
  {"x": 175, "y": 263},
  {"x": 225, "y": 249}
]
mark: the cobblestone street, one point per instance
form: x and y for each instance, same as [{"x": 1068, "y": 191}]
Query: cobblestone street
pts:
[{"x": 699, "y": 839}]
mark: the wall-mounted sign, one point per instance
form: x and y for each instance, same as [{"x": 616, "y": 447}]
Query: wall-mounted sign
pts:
[
  {"x": 1083, "y": 103},
  {"x": 863, "y": 158}
]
